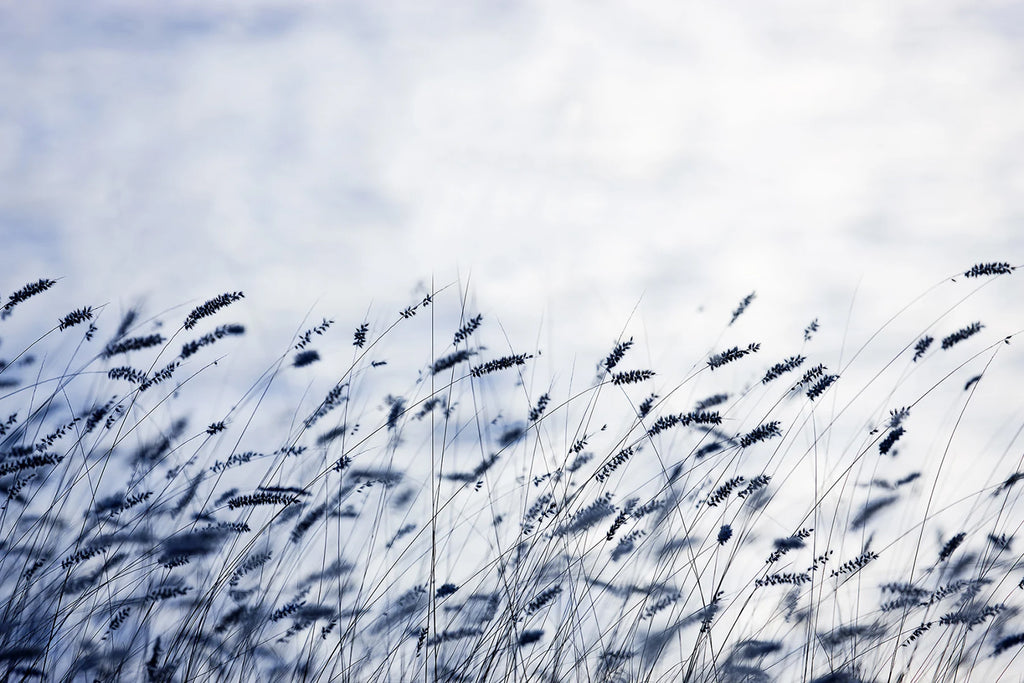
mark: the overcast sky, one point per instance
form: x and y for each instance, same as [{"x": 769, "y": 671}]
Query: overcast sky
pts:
[
  {"x": 570, "y": 158},
  {"x": 585, "y": 168}
]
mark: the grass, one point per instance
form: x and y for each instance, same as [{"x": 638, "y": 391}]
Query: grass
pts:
[{"x": 433, "y": 508}]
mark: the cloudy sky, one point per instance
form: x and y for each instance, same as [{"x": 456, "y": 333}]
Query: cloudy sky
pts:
[
  {"x": 569, "y": 159},
  {"x": 583, "y": 168}
]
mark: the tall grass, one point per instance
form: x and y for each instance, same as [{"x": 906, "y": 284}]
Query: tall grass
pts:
[{"x": 438, "y": 509}]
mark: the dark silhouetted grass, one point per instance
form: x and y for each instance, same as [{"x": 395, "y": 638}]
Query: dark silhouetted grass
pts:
[{"x": 478, "y": 521}]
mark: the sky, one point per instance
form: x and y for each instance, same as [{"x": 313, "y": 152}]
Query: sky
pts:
[
  {"x": 582, "y": 171},
  {"x": 574, "y": 165}
]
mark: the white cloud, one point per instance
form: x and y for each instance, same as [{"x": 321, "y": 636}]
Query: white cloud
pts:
[{"x": 572, "y": 154}]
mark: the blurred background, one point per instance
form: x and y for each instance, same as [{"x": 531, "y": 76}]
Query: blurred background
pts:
[{"x": 565, "y": 163}]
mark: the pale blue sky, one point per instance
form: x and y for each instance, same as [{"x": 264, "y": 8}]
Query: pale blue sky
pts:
[
  {"x": 572, "y": 156},
  {"x": 568, "y": 159}
]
